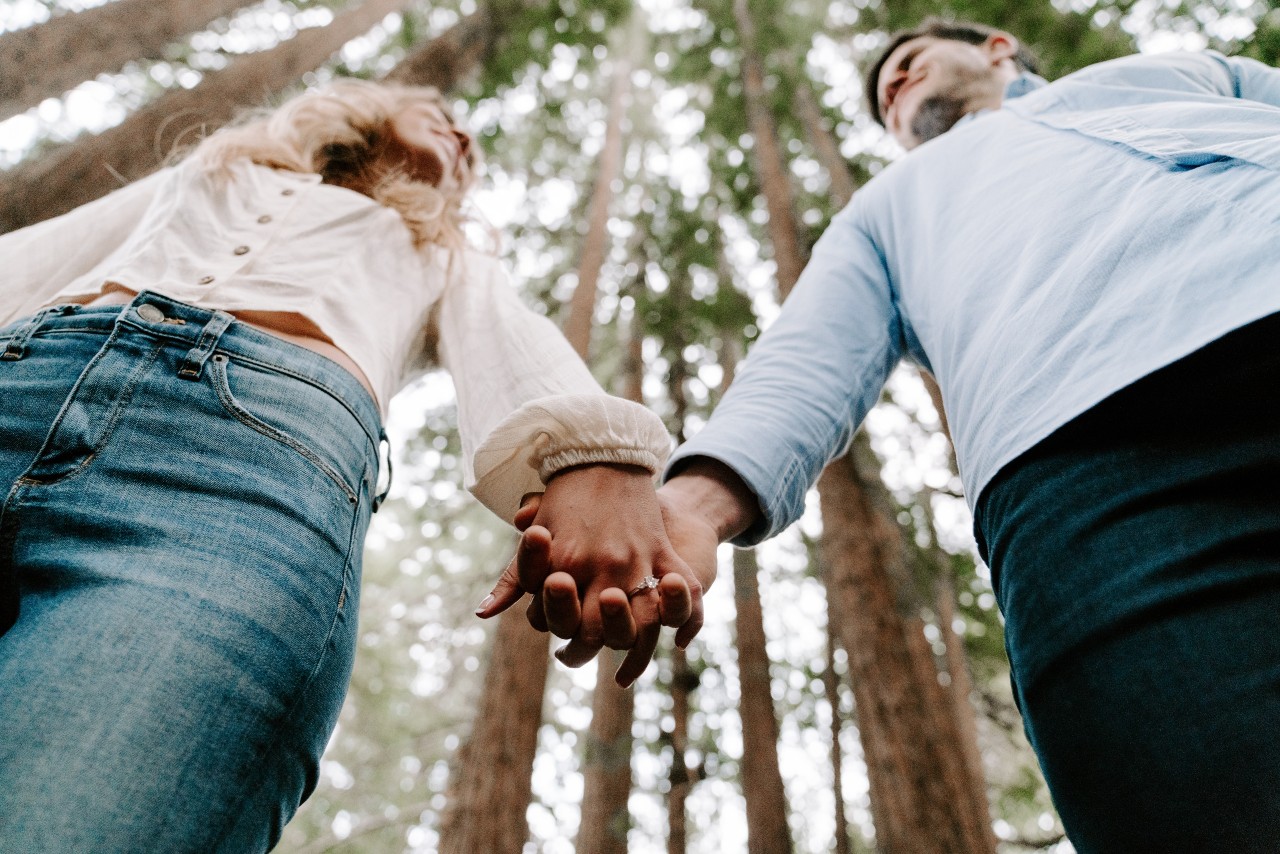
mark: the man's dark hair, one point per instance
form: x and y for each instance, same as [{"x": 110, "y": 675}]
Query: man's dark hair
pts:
[{"x": 939, "y": 28}]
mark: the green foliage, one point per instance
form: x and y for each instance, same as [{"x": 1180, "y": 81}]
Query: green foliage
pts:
[{"x": 687, "y": 258}]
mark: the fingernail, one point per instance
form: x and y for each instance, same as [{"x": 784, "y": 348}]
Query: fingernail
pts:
[{"x": 485, "y": 603}]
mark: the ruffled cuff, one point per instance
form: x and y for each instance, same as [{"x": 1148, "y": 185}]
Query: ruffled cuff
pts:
[{"x": 553, "y": 433}]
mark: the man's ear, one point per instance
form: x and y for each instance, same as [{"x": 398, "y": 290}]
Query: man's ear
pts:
[{"x": 1000, "y": 46}]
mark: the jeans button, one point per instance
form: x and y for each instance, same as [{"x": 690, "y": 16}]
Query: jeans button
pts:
[{"x": 150, "y": 313}]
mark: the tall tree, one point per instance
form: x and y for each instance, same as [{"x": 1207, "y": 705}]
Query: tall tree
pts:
[
  {"x": 788, "y": 252},
  {"x": 922, "y": 796},
  {"x": 595, "y": 246},
  {"x": 92, "y": 166},
  {"x": 831, "y": 685},
  {"x": 490, "y": 789},
  {"x": 762, "y": 787},
  {"x": 911, "y": 751},
  {"x": 444, "y": 61},
  {"x": 767, "y": 830},
  {"x": 518, "y": 650},
  {"x": 47, "y": 59},
  {"x": 607, "y": 760},
  {"x": 903, "y": 628}
]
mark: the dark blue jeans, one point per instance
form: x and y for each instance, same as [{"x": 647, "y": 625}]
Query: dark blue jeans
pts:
[
  {"x": 185, "y": 502},
  {"x": 1136, "y": 557}
]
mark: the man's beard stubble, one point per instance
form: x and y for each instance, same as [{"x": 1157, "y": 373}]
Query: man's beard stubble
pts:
[{"x": 936, "y": 115}]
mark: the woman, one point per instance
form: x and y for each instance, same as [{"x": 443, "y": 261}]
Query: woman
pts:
[{"x": 193, "y": 372}]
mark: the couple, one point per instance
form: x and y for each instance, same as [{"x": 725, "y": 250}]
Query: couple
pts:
[{"x": 194, "y": 370}]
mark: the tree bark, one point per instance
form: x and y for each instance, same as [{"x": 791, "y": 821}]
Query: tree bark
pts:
[
  {"x": 919, "y": 742},
  {"x": 767, "y": 830},
  {"x": 595, "y": 248},
  {"x": 92, "y": 166},
  {"x": 681, "y": 780},
  {"x": 839, "y": 175},
  {"x": 771, "y": 167},
  {"x": 607, "y": 761},
  {"x": 683, "y": 680},
  {"x": 47, "y": 59},
  {"x": 445, "y": 61},
  {"x": 831, "y": 683},
  {"x": 922, "y": 797},
  {"x": 961, "y": 692},
  {"x": 491, "y": 787}
]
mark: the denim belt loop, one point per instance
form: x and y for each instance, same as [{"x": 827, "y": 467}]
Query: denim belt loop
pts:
[
  {"x": 382, "y": 496},
  {"x": 17, "y": 345},
  {"x": 199, "y": 354}
]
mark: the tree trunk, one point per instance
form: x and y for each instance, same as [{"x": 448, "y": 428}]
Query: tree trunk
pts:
[
  {"x": 595, "y": 248},
  {"x": 960, "y": 691},
  {"x": 681, "y": 780},
  {"x": 771, "y": 167},
  {"x": 824, "y": 143},
  {"x": 767, "y": 831},
  {"x": 922, "y": 797},
  {"x": 491, "y": 789},
  {"x": 47, "y": 59},
  {"x": 831, "y": 682},
  {"x": 92, "y": 166},
  {"x": 683, "y": 680},
  {"x": 447, "y": 59},
  {"x": 607, "y": 761},
  {"x": 919, "y": 742}
]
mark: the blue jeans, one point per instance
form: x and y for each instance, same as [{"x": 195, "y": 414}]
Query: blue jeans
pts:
[
  {"x": 1136, "y": 558},
  {"x": 180, "y": 544}
]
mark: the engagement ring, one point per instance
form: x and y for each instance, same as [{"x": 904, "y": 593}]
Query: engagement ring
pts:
[{"x": 645, "y": 584}]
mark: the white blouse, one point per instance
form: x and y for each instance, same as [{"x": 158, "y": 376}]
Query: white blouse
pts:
[{"x": 274, "y": 240}]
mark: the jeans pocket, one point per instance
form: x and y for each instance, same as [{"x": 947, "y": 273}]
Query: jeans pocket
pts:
[{"x": 298, "y": 414}]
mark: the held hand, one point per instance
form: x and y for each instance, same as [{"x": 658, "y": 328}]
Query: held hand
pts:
[{"x": 590, "y": 541}]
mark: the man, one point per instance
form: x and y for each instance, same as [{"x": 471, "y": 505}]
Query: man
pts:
[{"x": 1091, "y": 269}]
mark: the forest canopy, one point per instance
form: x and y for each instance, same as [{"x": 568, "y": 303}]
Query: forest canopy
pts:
[{"x": 655, "y": 175}]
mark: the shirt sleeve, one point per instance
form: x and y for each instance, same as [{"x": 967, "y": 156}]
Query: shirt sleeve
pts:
[
  {"x": 41, "y": 259},
  {"x": 527, "y": 405},
  {"x": 810, "y": 379}
]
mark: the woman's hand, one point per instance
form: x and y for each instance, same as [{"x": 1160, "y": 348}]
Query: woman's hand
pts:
[{"x": 590, "y": 540}]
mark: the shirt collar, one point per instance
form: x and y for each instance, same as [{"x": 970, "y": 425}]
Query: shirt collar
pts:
[{"x": 1022, "y": 84}]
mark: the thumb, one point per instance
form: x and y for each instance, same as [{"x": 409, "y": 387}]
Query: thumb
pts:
[
  {"x": 525, "y": 572},
  {"x": 529, "y": 505}
]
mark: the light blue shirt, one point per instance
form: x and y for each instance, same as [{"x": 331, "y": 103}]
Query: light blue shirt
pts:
[{"x": 1035, "y": 258}]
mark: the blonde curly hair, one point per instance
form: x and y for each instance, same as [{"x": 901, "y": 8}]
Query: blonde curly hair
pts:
[{"x": 343, "y": 132}]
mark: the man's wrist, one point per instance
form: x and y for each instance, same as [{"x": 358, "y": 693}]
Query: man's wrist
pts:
[{"x": 709, "y": 489}]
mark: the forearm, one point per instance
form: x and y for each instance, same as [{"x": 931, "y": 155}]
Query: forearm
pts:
[{"x": 710, "y": 490}]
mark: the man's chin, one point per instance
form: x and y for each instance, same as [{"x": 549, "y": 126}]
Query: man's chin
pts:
[{"x": 935, "y": 116}]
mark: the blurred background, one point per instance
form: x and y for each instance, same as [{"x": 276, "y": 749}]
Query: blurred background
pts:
[{"x": 655, "y": 175}]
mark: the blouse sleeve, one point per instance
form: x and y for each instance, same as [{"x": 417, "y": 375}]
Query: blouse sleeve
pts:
[
  {"x": 41, "y": 259},
  {"x": 527, "y": 405}
]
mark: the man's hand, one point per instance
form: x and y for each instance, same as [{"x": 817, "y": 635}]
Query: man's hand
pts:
[
  {"x": 705, "y": 505},
  {"x": 594, "y": 535}
]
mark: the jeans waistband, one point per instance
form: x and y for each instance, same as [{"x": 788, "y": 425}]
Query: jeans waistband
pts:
[{"x": 205, "y": 332}]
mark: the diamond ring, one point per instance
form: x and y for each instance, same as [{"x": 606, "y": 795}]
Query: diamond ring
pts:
[{"x": 646, "y": 584}]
